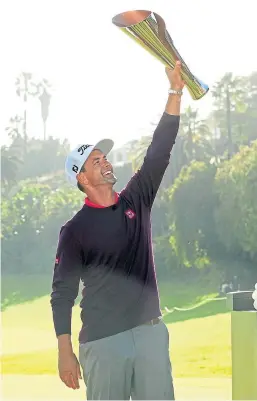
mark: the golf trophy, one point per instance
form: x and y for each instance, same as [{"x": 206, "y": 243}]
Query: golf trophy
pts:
[{"x": 148, "y": 29}]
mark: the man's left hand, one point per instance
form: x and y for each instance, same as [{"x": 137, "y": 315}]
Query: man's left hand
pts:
[{"x": 174, "y": 76}]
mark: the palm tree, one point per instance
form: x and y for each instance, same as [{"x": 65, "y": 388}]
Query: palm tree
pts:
[
  {"x": 193, "y": 142},
  {"x": 137, "y": 153},
  {"x": 246, "y": 116},
  {"x": 9, "y": 167},
  {"x": 25, "y": 88},
  {"x": 14, "y": 132},
  {"x": 195, "y": 135},
  {"x": 44, "y": 98},
  {"x": 228, "y": 94},
  {"x": 14, "y": 128}
]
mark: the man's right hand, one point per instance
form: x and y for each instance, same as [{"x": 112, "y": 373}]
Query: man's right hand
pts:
[{"x": 69, "y": 369}]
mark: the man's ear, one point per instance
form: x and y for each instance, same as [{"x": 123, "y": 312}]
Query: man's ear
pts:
[{"x": 82, "y": 179}]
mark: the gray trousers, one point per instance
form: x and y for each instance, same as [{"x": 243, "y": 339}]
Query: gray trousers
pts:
[{"x": 134, "y": 363}]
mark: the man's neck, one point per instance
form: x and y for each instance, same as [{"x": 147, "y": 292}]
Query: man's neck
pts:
[{"x": 103, "y": 197}]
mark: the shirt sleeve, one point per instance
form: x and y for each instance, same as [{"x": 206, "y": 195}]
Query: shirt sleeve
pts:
[
  {"x": 66, "y": 279},
  {"x": 146, "y": 181}
]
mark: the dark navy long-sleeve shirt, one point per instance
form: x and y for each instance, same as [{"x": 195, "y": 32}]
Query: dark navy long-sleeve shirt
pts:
[{"x": 110, "y": 250}]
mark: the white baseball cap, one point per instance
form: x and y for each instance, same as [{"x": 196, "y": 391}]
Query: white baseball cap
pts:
[{"x": 77, "y": 157}]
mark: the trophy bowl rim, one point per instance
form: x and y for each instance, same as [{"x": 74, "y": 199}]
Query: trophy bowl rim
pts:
[{"x": 118, "y": 18}]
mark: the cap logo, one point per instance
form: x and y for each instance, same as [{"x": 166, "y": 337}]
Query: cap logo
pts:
[
  {"x": 130, "y": 214},
  {"x": 75, "y": 168},
  {"x": 82, "y": 149}
]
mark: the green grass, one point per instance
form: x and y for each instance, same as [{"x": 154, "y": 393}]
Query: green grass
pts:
[
  {"x": 199, "y": 338},
  {"x": 50, "y": 388},
  {"x": 199, "y": 348},
  {"x": 17, "y": 289}
]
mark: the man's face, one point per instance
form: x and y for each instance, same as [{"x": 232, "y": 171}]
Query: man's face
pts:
[{"x": 98, "y": 171}]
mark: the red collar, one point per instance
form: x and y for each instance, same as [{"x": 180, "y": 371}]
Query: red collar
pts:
[{"x": 95, "y": 205}]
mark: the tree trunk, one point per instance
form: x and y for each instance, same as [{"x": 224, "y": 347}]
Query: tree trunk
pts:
[
  {"x": 25, "y": 137},
  {"x": 230, "y": 143},
  {"x": 44, "y": 124}
]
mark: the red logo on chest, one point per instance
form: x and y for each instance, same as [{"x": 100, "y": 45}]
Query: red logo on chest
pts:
[{"x": 130, "y": 214}]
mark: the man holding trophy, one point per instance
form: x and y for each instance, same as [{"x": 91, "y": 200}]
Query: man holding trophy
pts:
[{"x": 123, "y": 342}]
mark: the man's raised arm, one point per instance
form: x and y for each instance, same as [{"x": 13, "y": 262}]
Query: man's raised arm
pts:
[{"x": 145, "y": 183}]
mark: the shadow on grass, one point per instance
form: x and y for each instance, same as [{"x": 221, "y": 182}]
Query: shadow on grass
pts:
[
  {"x": 16, "y": 289},
  {"x": 210, "y": 308}
]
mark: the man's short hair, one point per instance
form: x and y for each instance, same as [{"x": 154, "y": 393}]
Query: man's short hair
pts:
[{"x": 82, "y": 170}]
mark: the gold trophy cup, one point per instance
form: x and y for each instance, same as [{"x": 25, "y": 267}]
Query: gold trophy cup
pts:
[{"x": 148, "y": 29}]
